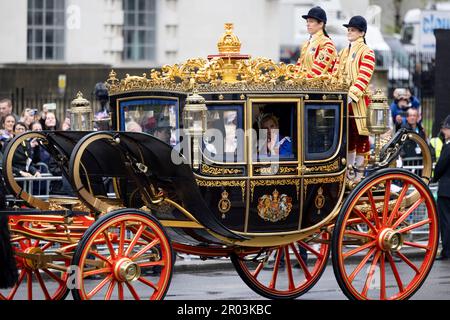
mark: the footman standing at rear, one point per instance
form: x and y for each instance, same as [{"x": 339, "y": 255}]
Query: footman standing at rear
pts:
[{"x": 356, "y": 64}]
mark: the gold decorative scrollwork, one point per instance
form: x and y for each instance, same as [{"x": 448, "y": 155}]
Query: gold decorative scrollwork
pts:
[
  {"x": 327, "y": 168},
  {"x": 223, "y": 183},
  {"x": 259, "y": 74},
  {"x": 275, "y": 170},
  {"x": 214, "y": 171},
  {"x": 326, "y": 180}
]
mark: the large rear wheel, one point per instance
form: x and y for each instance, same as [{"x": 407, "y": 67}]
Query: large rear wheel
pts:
[{"x": 386, "y": 237}]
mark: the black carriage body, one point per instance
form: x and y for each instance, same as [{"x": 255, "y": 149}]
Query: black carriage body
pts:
[{"x": 248, "y": 193}]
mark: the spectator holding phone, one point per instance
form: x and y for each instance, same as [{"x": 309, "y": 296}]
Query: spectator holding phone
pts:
[
  {"x": 48, "y": 111},
  {"x": 27, "y": 116}
]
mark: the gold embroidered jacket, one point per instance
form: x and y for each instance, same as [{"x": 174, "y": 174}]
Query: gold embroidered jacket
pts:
[
  {"x": 317, "y": 57},
  {"x": 357, "y": 64}
]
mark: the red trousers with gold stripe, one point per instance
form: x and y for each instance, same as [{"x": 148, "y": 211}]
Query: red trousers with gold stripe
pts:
[{"x": 356, "y": 142}]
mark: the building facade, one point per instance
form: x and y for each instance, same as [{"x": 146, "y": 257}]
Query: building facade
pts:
[{"x": 132, "y": 33}]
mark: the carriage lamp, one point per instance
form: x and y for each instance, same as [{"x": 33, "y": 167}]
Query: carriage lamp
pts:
[
  {"x": 81, "y": 115},
  {"x": 194, "y": 122},
  {"x": 378, "y": 119}
]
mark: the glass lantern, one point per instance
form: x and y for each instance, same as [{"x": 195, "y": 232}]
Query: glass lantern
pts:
[
  {"x": 194, "y": 115},
  {"x": 194, "y": 121},
  {"x": 81, "y": 115},
  {"x": 378, "y": 119},
  {"x": 378, "y": 114}
]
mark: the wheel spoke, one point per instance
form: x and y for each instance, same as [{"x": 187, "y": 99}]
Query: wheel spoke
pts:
[
  {"x": 370, "y": 274},
  {"x": 122, "y": 236},
  {"x": 145, "y": 249},
  {"x": 96, "y": 272},
  {"x": 355, "y": 251},
  {"x": 148, "y": 283},
  {"x": 110, "y": 290},
  {"x": 54, "y": 276},
  {"x": 310, "y": 249},
  {"x": 398, "y": 203},
  {"x": 374, "y": 209},
  {"x": 415, "y": 226},
  {"x": 152, "y": 264},
  {"x": 408, "y": 262},
  {"x": 382, "y": 277},
  {"x": 364, "y": 218},
  {"x": 302, "y": 263},
  {"x": 395, "y": 272},
  {"x": 133, "y": 291},
  {"x": 276, "y": 265},
  {"x": 17, "y": 285},
  {"x": 30, "y": 285},
  {"x": 120, "y": 290},
  {"x": 417, "y": 245},
  {"x": 98, "y": 255},
  {"x": 109, "y": 245},
  {"x": 358, "y": 234},
  {"x": 258, "y": 269},
  {"x": 387, "y": 196},
  {"x": 42, "y": 284},
  {"x": 289, "y": 268},
  {"x": 361, "y": 264},
  {"x": 46, "y": 246},
  {"x": 99, "y": 287},
  {"x": 134, "y": 241},
  {"x": 408, "y": 212}
]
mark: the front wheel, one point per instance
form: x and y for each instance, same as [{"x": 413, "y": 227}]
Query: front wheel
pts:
[
  {"x": 126, "y": 254},
  {"x": 386, "y": 237}
]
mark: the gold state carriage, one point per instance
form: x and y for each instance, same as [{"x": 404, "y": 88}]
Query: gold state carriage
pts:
[{"x": 211, "y": 190}]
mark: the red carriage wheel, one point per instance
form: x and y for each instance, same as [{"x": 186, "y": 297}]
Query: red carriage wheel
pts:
[
  {"x": 37, "y": 280},
  {"x": 378, "y": 252},
  {"x": 284, "y": 272},
  {"x": 126, "y": 254}
]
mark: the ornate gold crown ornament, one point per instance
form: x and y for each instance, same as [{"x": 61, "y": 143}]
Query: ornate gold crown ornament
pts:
[
  {"x": 229, "y": 43},
  {"x": 228, "y": 71}
]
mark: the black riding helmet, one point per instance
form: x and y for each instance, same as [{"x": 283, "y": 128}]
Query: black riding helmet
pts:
[
  {"x": 316, "y": 13},
  {"x": 357, "y": 22}
]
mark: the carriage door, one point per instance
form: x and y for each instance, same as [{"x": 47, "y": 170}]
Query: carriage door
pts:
[{"x": 274, "y": 185}]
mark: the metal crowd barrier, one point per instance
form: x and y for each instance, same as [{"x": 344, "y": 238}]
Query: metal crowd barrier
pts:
[
  {"x": 38, "y": 186},
  {"x": 415, "y": 165}
]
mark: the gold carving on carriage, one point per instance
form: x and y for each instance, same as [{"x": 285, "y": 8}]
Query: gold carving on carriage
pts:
[
  {"x": 224, "y": 204},
  {"x": 274, "y": 207}
]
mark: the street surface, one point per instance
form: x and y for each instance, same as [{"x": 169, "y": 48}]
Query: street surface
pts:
[{"x": 219, "y": 281}]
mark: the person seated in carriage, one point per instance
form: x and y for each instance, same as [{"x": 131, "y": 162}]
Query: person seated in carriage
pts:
[{"x": 271, "y": 143}]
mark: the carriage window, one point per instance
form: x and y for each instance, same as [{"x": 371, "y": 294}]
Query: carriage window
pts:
[
  {"x": 321, "y": 123},
  {"x": 275, "y": 131},
  {"x": 224, "y": 138},
  {"x": 154, "y": 116}
]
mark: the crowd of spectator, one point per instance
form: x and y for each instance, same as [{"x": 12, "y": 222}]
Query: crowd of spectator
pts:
[
  {"x": 406, "y": 112},
  {"x": 30, "y": 159}
]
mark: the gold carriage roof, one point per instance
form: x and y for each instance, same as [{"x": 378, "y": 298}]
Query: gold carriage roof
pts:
[{"x": 228, "y": 71}]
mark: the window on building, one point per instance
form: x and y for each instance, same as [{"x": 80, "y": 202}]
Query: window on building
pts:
[
  {"x": 139, "y": 30},
  {"x": 45, "y": 38}
]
